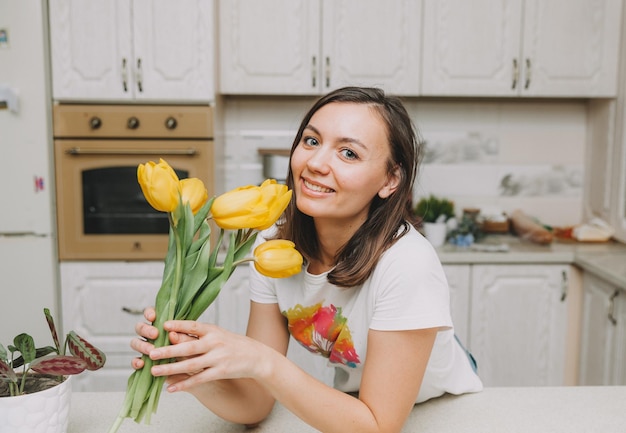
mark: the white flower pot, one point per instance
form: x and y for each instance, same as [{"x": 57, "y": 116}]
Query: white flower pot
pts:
[
  {"x": 436, "y": 233},
  {"x": 41, "y": 412}
]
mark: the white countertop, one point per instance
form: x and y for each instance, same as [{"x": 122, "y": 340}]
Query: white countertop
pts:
[
  {"x": 605, "y": 260},
  {"x": 501, "y": 410}
]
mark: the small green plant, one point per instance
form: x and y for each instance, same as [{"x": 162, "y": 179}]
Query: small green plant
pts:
[
  {"x": 46, "y": 360},
  {"x": 466, "y": 232},
  {"x": 433, "y": 209}
]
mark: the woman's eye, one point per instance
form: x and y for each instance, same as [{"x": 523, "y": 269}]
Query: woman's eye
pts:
[
  {"x": 311, "y": 141},
  {"x": 349, "y": 154}
]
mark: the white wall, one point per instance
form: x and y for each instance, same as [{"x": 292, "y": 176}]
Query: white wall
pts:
[{"x": 508, "y": 154}]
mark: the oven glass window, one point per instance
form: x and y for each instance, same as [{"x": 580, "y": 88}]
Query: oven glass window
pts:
[{"x": 114, "y": 204}]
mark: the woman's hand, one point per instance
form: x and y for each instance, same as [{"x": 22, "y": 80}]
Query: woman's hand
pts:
[
  {"x": 205, "y": 353},
  {"x": 145, "y": 332}
]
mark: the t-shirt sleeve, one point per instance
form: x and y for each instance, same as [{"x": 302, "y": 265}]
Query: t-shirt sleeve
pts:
[
  {"x": 262, "y": 289},
  {"x": 411, "y": 290}
]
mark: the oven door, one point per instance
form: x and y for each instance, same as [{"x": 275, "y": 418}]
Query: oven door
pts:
[{"x": 101, "y": 211}]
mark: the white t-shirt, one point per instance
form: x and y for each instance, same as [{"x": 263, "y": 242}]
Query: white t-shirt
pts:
[{"x": 407, "y": 290}]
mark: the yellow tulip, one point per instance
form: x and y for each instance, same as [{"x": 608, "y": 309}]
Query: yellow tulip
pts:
[
  {"x": 241, "y": 208},
  {"x": 160, "y": 185},
  {"x": 277, "y": 258},
  {"x": 193, "y": 192},
  {"x": 276, "y": 197}
]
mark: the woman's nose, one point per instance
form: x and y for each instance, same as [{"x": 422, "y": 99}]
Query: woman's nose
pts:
[{"x": 319, "y": 160}]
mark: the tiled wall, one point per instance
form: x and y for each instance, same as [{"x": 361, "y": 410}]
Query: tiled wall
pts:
[{"x": 498, "y": 154}]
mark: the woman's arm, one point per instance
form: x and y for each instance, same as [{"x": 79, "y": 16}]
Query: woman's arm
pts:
[
  {"x": 393, "y": 372},
  {"x": 394, "y": 367},
  {"x": 199, "y": 347}
]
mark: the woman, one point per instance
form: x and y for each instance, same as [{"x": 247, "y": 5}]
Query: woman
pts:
[{"x": 372, "y": 296}]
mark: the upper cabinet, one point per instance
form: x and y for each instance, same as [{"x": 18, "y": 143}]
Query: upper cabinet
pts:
[
  {"x": 559, "y": 48},
  {"x": 308, "y": 47},
  {"x": 123, "y": 50}
]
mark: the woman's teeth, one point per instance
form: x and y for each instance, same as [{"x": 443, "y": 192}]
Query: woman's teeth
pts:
[{"x": 317, "y": 187}]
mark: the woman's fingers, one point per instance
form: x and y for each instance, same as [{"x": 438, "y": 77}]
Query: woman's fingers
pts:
[
  {"x": 150, "y": 314},
  {"x": 141, "y": 346},
  {"x": 137, "y": 363},
  {"x": 146, "y": 331},
  {"x": 189, "y": 327}
]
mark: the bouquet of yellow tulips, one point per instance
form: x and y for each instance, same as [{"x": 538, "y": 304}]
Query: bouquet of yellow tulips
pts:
[{"x": 192, "y": 277}]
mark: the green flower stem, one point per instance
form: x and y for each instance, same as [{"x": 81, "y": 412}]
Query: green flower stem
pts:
[{"x": 144, "y": 390}]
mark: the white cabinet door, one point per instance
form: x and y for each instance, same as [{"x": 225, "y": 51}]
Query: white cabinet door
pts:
[
  {"x": 459, "y": 281},
  {"x": 132, "y": 50},
  {"x": 173, "y": 50},
  {"x": 102, "y": 301},
  {"x": 372, "y": 43},
  {"x": 269, "y": 46},
  {"x": 571, "y": 47},
  {"x": 471, "y": 48},
  {"x": 314, "y": 46},
  {"x": 91, "y": 49},
  {"x": 604, "y": 333},
  {"x": 519, "y": 324},
  {"x": 233, "y": 302},
  {"x": 561, "y": 48}
]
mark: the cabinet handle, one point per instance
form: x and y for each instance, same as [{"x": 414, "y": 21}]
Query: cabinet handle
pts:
[
  {"x": 139, "y": 75},
  {"x": 564, "y": 286},
  {"x": 327, "y": 71},
  {"x": 77, "y": 151},
  {"x": 133, "y": 311},
  {"x": 314, "y": 72},
  {"x": 515, "y": 74},
  {"x": 124, "y": 75},
  {"x": 528, "y": 74},
  {"x": 611, "y": 313}
]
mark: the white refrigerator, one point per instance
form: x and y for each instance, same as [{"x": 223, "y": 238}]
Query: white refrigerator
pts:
[{"x": 28, "y": 264}]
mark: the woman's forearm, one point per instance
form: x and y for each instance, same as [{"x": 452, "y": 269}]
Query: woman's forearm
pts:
[{"x": 242, "y": 401}]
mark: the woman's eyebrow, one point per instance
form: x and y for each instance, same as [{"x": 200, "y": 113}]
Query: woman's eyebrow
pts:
[
  {"x": 312, "y": 128},
  {"x": 341, "y": 140}
]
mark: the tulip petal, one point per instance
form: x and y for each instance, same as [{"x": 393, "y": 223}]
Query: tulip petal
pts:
[{"x": 277, "y": 258}]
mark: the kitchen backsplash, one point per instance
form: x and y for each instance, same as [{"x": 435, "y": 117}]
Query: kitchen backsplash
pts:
[{"x": 497, "y": 154}]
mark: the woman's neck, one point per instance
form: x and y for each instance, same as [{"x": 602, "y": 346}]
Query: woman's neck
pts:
[{"x": 331, "y": 238}]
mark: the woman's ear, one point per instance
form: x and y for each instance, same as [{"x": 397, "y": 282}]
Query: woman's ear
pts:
[{"x": 393, "y": 180}]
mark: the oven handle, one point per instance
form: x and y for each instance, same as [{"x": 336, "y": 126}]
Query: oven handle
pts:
[{"x": 79, "y": 151}]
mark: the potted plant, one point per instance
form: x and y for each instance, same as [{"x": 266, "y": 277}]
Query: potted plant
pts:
[
  {"x": 434, "y": 212},
  {"x": 466, "y": 232},
  {"x": 35, "y": 388}
]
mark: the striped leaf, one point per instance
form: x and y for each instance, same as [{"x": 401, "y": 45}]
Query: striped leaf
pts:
[
  {"x": 81, "y": 348},
  {"x": 59, "y": 365}
]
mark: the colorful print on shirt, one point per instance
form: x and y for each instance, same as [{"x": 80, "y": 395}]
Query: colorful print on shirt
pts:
[{"x": 323, "y": 330}]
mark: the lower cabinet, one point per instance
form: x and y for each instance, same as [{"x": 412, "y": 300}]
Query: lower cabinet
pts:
[
  {"x": 603, "y": 348},
  {"x": 102, "y": 301},
  {"x": 514, "y": 320}
]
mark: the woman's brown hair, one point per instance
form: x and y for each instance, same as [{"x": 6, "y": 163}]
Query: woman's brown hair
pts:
[{"x": 388, "y": 218}]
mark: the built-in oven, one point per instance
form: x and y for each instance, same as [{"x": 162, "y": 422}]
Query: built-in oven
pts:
[{"x": 101, "y": 211}]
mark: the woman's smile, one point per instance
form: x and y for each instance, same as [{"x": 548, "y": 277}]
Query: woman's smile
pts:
[{"x": 316, "y": 187}]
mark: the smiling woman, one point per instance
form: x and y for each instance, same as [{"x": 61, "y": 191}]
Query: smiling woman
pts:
[{"x": 371, "y": 298}]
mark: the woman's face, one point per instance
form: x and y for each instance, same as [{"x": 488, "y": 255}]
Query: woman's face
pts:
[{"x": 340, "y": 164}]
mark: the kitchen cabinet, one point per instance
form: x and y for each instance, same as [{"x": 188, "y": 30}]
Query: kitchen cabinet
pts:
[
  {"x": 519, "y": 324},
  {"x": 308, "y": 47},
  {"x": 136, "y": 50},
  {"x": 458, "y": 277},
  {"x": 513, "y": 318},
  {"x": 604, "y": 333},
  {"x": 561, "y": 48},
  {"x": 102, "y": 301}
]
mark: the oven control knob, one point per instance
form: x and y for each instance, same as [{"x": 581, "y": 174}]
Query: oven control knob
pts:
[
  {"x": 171, "y": 123},
  {"x": 133, "y": 123},
  {"x": 95, "y": 122}
]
